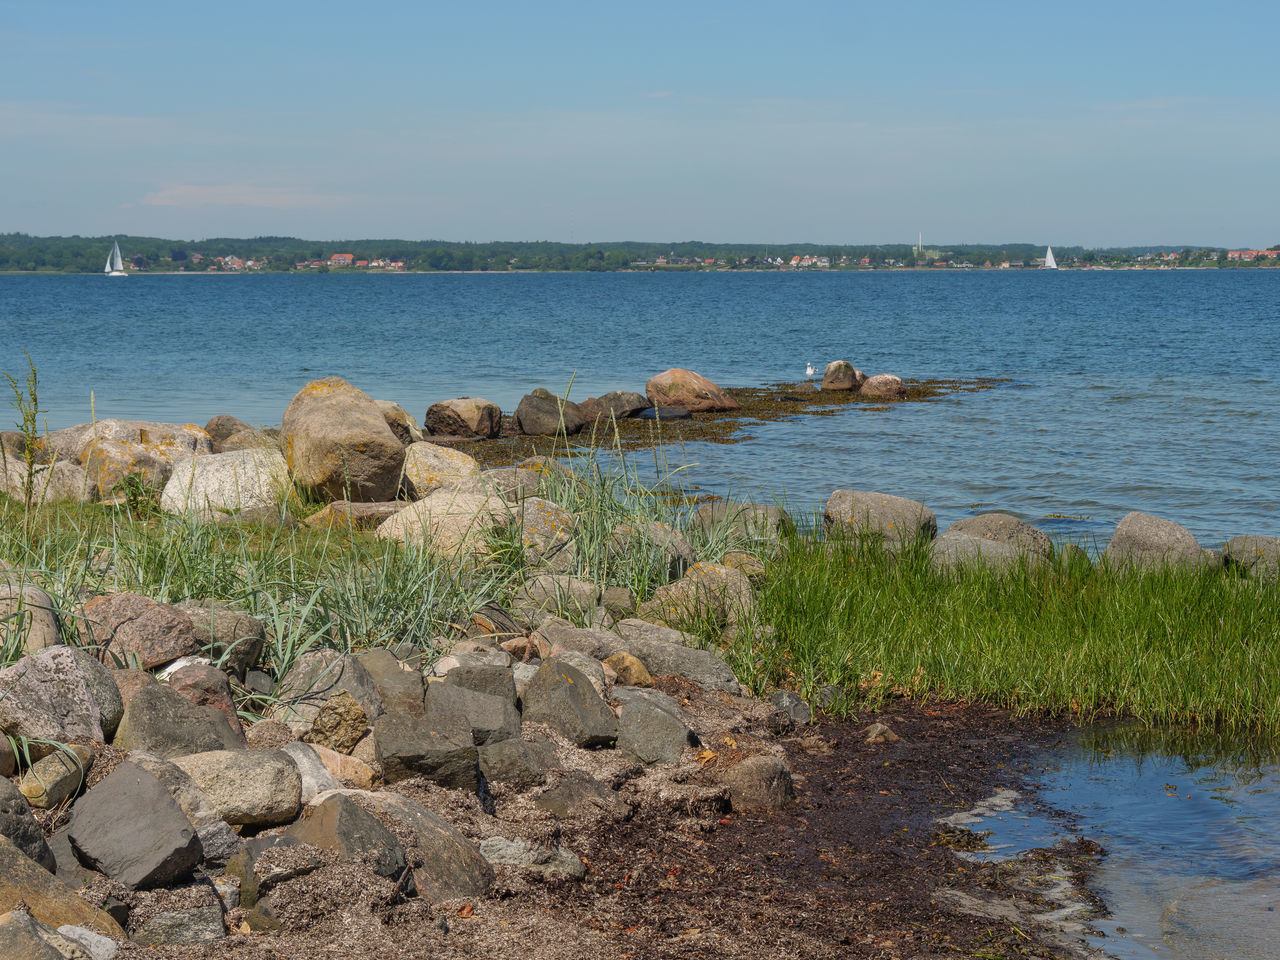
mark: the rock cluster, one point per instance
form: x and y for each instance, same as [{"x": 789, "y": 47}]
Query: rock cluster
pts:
[{"x": 184, "y": 826}]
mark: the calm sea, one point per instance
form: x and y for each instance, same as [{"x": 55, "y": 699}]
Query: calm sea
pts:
[{"x": 1153, "y": 391}]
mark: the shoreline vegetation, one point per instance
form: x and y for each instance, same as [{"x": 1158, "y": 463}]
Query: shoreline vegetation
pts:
[
  {"x": 281, "y": 693},
  {"x": 846, "y": 608},
  {"x": 21, "y": 253}
]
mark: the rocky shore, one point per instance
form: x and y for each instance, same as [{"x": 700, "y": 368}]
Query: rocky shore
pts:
[{"x": 571, "y": 773}]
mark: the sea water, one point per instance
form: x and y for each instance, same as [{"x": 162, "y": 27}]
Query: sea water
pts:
[{"x": 1152, "y": 391}]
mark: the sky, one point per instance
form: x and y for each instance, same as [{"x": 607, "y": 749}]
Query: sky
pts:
[{"x": 1098, "y": 124}]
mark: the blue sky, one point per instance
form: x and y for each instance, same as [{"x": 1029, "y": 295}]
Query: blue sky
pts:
[{"x": 1086, "y": 123}]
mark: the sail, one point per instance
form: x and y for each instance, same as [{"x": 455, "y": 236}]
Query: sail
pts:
[
  {"x": 117, "y": 264},
  {"x": 107, "y": 268},
  {"x": 1049, "y": 262}
]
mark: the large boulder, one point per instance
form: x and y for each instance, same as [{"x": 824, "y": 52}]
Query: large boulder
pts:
[
  {"x": 109, "y": 463},
  {"x": 218, "y": 842},
  {"x": 707, "y": 593},
  {"x": 429, "y": 467},
  {"x": 617, "y": 405},
  {"x": 29, "y": 613},
  {"x": 162, "y": 722},
  {"x": 58, "y": 481},
  {"x": 442, "y": 751},
  {"x": 863, "y": 513},
  {"x": 1146, "y": 542},
  {"x": 842, "y": 375},
  {"x": 163, "y": 441},
  {"x": 684, "y": 388},
  {"x": 46, "y": 697},
  {"x": 130, "y": 828},
  {"x": 401, "y": 423},
  {"x": 955, "y": 550},
  {"x": 451, "y": 865},
  {"x": 1007, "y": 529},
  {"x": 448, "y": 522},
  {"x": 546, "y": 531},
  {"x": 742, "y": 521},
  {"x": 463, "y": 417},
  {"x": 222, "y": 426},
  {"x": 243, "y": 484},
  {"x": 315, "y": 677},
  {"x": 564, "y": 699},
  {"x": 47, "y": 898},
  {"x": 136, "y": 631},
  {"x": 1257, "y": 557},
  {"x": 666, "y": 652},
  {"x": 883, "y": 386},
  {"x": 247, "y": 787},
  {"x": 542, "y": 413},
  {"x": 338, "y": 445},
  {"x": 339, "y": 824}
]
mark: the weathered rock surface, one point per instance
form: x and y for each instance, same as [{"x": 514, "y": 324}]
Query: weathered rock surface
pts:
[
  {"x": 103, "y": 689},
  {"x": 629, "y": 669},
  {"x": 1146, "y": 542},
  {"x": 400, "y": 421},
  {"x": 594, "y": 642},
  {"x": 19, "y": 826},
  {"x": 222, "y": 426},
  {"x": 448, "y": 522},
  {"x": 160, "y": 721},
  {"x": 678, "y": 387},
  {"x": 488, "y": 678},
  {"x": 443, "y": 752},
  {"x": 895, "y": 519},
  {"x": 546, "y": 530},
  {"x": 136, "y": 631},
  {"x": 315, "y": 776},
  {"x": 247, "y": 787},
  {"x": 338, "y": 445},
  {"x": 47, "y": 898},
  {"x": 545, "y": 861},
  {"x": 452, "y": 866},
  {"x": 491, "y": 718},
  {"x": 463, "y": 417},
  {"x": 343, "y": 514},
  {"x": 340, "y": 824},
  {"x": 199, "y": 923},
  {"x": 707, "y": 593},
  {"x": 131, "y": 829},
  {"x": 109, "y": 463},
  {"x": 206, "y": 686},
  {"x": 1258, "y": 557},
  {"x": 340, "y": 724},
  {"x": 242, "y": 484},
  {"x": 758, "y": 783},
  {"x": 746, "y": 521},
  {"x": 57, "y": 777},
  {"x": 30, "y": 613},
  {"x": 883, "y": 386},
  {"x": 564, "y": 699},
  {"x": 560, "y": 593},
  {"x": 542, "y": 413},
  {"x": 316, "y": 676},
  {"x": 229, "y": 636},
  {"x": 1008, "y": 529},
  {"x": 218, "y": 842},
  {"x": 269, "y": 860},
  {"x": 429, "y": 467},
  {"x": 46, "y": 697},
  {"x": 53, "y": 482},
  {"x": 793, "y": 705},
  {"x": 398, "y": 688},
  {"x": 515, "y": 764},
  {"x": 957, "y": 551},
  {"x": 665, "y": 652},
  {"x": 618, "y": 405},
  {"x": 842, "y": 375},
  {"x": 651, "y": 734},
  {"x": 165, "y": 441}
]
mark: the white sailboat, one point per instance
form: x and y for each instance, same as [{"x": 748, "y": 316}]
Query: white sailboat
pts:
[
  {"x": 1049, "y": 262},
  {"x": 115, "y": 266}
]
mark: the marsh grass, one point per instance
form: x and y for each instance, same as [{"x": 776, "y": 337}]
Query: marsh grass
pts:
[
  {"x": 843, "y": 618},
  {"x": 1173, "y": 647}
]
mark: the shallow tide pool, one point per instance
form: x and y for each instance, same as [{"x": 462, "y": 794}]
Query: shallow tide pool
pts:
[{"x": 1191, "y": 831}]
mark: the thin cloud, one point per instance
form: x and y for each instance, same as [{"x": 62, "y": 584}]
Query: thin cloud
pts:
[{"x": 240, "y": 195}]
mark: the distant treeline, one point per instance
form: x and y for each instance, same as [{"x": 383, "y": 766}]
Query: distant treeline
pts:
[{"x": 22, "y": 252}]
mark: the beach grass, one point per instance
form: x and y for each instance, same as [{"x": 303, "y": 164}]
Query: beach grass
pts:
[
  {"x": 1171, "y": 647},
  {"x": 845, "y": 622}
]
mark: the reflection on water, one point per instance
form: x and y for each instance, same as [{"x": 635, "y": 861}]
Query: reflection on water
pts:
[{"x": 1191, "y": 826}]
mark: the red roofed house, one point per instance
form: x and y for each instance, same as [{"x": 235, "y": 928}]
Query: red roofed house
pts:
[{"x": 342, "y": 259}]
